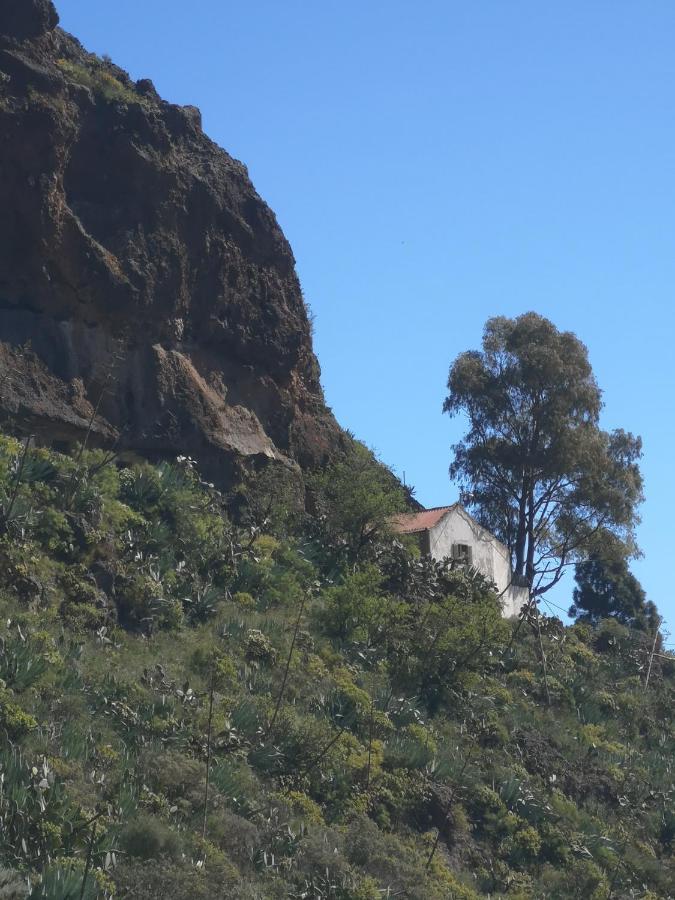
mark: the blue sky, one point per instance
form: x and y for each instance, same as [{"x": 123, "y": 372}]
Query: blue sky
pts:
[{"x": 437, "y": 163}]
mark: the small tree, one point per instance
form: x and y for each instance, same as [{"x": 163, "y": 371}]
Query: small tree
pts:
[
  {"x": 534, "y": 465},
  {"x": 355, "y": 607},
  {"x": 608, "y": 589},
  {"x": 357, "y": 497}
]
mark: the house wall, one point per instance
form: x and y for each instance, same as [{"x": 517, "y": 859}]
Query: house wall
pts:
[
  {"x": 513, "y": 599},
  {"x": 490, "y": 556}
]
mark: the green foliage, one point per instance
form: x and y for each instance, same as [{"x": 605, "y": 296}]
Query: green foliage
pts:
[
  {"x": 357, "y": 608},
  {"x": 356, "y": 498},
  {"x": 144, "y": 641},
  {"x": 21, "y": 662},
  {"x": 14, "y": 720},
  {"x": 259, "y": 647},
  {"x": 64, "y": 882},
  {"x": 149, "y": 838},
  {"x": 608, "y": 588},
  {"x": 98, "y": 77}
]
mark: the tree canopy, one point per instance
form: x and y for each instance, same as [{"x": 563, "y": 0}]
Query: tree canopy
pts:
[
  {"x": 534, "y": 465},
  {"x": 608, "y": 589},
  {"x": 356, "y": 497}
]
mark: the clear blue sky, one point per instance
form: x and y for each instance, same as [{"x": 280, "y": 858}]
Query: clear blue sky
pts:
[{"x": 434, "y": 164}]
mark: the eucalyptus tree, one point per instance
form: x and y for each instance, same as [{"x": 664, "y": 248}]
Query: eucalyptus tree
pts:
[{"x": 534, "y": 465}]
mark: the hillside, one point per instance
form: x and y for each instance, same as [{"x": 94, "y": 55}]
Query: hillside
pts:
[
  {"x": 147, "y": 294},
  {"x": 221, "y": 675},
  {"x": 369, "y": 725}
]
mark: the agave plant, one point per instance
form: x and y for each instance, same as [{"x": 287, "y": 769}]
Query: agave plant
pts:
[
  {"x": 63, "y": 882},
  {"x": 34, "y": 812},
  {"x": 20, "y": 664},
  {"x": 204, "y": 604}
]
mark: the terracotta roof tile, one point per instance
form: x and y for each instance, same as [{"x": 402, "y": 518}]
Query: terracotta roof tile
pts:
[{"x": 409, "y": 523}]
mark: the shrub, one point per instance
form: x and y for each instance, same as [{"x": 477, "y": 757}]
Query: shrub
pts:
[
  {"x": 82, "y": 617},
  {"x": 154, "y": 880},
  {"x": 259, "y": 647},
  {"x": 525, "y": 845},
  {"x": 99, "y": 79},
  {"x": 149, "y": 838},
  {"x": 13, "y": 719},
  {"x": 357, "y": 608},
  {"x": 300, "y": 806}
]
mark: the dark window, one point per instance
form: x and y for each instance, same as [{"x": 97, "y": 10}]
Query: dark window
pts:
[{"x": 462, "y": 553}]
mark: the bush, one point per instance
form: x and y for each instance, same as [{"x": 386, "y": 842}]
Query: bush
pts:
[
  {"x": 153, "y": 880},
  {"x": 13, "y": 719},
  {"x": 525, "y": 845},
  {"x": 259, "y": 647},
  {"x": 150, "y": 838},
  {"x": 357, "y": 609},
  {"x": 97, "y": 78}
]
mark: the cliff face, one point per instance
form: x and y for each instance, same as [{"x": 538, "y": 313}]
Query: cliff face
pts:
[{"x": 147, "y": 293}]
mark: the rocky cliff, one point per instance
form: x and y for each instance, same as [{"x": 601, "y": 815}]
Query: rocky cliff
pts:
[{"x": 147, "y": 295}]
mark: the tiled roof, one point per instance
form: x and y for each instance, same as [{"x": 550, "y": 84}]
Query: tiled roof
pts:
[{"x": 409, "y": 523}]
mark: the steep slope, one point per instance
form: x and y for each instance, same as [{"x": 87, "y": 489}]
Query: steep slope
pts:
[
  {"x": 147, "y": 294},
  {"x": 199, "y": 711}
]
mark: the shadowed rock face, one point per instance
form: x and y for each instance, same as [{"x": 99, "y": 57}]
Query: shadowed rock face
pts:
[
  {"x": 144, "y": 285},
  {"x": 27, "y": 18}
]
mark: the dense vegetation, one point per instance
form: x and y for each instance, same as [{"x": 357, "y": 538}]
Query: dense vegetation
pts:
[{"x": 301, "y": 707}]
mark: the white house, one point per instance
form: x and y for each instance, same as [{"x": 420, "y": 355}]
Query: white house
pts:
[{"x": 449, "y": 531}]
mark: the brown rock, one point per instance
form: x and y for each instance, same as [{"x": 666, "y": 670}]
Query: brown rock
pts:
[{"x": 142, "y": 271}]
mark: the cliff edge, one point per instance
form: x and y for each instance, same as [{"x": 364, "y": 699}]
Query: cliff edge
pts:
[{"x": 148, "y": 297}]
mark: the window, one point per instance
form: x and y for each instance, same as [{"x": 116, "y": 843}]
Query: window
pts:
[{"x": 462, "y": 553}]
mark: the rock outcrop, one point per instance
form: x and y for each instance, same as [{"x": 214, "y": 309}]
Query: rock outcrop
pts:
[{"x": 147, "y": 295}]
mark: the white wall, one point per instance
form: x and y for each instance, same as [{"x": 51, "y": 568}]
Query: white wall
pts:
[
  {"x": 490, "y": 556},
  {"x": 513, "y": 600}
]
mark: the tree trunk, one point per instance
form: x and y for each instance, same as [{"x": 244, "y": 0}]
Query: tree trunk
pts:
[
  {"x": 521, "y": 534},
  {"x": 529, "y": 566}
]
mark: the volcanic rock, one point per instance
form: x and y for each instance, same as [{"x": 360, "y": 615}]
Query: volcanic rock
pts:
[
  {"x": 148, "y": 298},
  {"x": 22, "y": 19}
]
